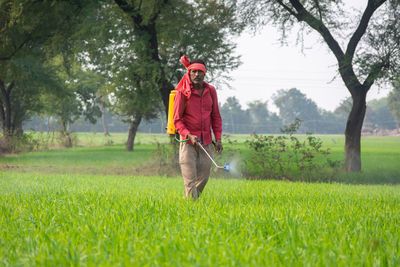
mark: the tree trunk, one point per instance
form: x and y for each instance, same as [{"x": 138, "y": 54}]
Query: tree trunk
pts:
[
  {"x": 41, "y": 124},
  {"x": 65, "y": 134},
  {"x": 48, "y": 125},
  {"x": 353, "y": 132},
  {"x": 19, "y": 131},
  {"x": 165, "y": 86},
  {"x": 132, "y": 132},
  {"x": 63, "y": 127},
  {"x": 148, "y": 33},
  {"x": 6, "y": 108},
  {"x": 103, "y": 120}
]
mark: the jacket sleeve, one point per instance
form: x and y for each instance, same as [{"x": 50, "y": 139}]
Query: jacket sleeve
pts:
[
  {"x": 179, "y": 108},
  {"x": 216, "y": 120}
]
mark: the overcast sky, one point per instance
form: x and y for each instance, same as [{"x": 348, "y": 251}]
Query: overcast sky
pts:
[{"x": 268, "y": 66}]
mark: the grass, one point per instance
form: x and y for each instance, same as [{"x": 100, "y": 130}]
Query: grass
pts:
[
  {"x": 55, "y": 209},
  {"x": 92, "y": 155},
  {"x": 96, "y": 160},
  {"x": 125, "y": 220}
]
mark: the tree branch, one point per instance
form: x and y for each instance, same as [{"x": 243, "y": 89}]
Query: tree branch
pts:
[
  {"x": 3, "y": 88},
  {"x": 131, "y": 11},
  {"x": 376, "y": 71},
  {"x": 319, "y": 26},
  {"x": 16, "y": 49},
  {"x": 125, "y": 6},
  {"x": 288, "y": 9},
  {"x": 319, "y": 9},
  {"x": 2, "y": 112},
  {"x": 362, "y": 27},
  {"x": 9, "y": 88}
]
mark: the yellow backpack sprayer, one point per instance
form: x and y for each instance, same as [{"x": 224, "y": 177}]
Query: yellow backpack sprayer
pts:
[
  {"x": 171, "y": 130},
  {"x": 170, "y": 124}
]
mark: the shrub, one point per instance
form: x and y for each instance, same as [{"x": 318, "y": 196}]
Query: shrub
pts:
[
  {"x": 24, "y": 142},
  {"x": 287, "y": 157},
  {"x": 67, "y": 139},
  {"x": 164, "y": 160}
]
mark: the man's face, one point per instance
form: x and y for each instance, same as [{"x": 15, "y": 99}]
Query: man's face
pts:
[{"x": 197, "y": 76}]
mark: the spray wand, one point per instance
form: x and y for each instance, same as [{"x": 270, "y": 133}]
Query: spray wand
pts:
[{"x": 226, "y": 167}]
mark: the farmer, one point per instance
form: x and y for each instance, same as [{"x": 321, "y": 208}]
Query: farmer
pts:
[{"x": 195, "y": 113}]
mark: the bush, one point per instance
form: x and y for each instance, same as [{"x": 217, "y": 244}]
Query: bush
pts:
[
  {"x": 24, "y": 142},
  {"x": 286, "y": 157},
  {"x": 164, "y": 160},
  {"x": 67, "y": 139}
]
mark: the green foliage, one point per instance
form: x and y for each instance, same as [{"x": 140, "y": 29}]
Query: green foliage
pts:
[
  {"x": 32, "y": 79},
  {"x": 294, "y": 104},
  {"x": 165, "y": 160},
  {"x": 199, "y": 29},
  {"x": 25, "y": 142},
  {"x": 288, "y": 157},
  {"x": 234, "y": 116},
  {"x": 378, "y": 115},
  {"x": 31, "y": 33},
  {"x": 67, "y": 138},
  {"x": 141, "y": 221},
  {"x": 380, "y": 56},
  {"x": 129, "y": 75},
  {"x": 344, "y": 107},
  {"x": 262, "y": 120}
]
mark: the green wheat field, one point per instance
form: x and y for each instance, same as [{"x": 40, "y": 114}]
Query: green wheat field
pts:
[{"x": 88, "y": 206}]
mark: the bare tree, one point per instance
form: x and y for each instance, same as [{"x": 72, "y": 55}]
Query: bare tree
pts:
[{"x": 372, "y": 53}]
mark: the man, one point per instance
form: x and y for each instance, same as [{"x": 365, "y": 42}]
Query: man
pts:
[{"x": 195, "y": 113}]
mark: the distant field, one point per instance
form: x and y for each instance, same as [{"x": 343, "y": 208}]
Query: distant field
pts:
[
  {"x": 53, "y": 220},
  {"x": 94, "y": 153},
  {"x": 97, "y": 154}
]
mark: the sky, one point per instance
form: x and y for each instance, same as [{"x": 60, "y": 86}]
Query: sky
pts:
[{"x": 267, "y": 67}]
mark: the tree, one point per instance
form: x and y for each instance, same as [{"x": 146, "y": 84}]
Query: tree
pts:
[
  {"x": 20, "y": 98},
  {"x": 129, "y": 77},
  {"x": 378, "y": 114},
  {"x": 30, "y": 32},
  {"x": 144, "y": 40},
  {"x": 372, "y": 53},
  {"x": 169, "y": 28},
  {"x": 394, "y": 102},
  {"x": 235, "y": 119},
  {"x": 134, "y": 99},
  {"x": 344, "y": 107},
  {"x": 262, "y": 120},
  {"x": 331, "y": 123},
  {"x": 76, "y": 96},
  {"x": 294, "y": 104}
]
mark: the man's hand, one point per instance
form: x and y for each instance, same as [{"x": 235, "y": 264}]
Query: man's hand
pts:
[
  {"x": 193, "y": 138},
  {"x": 218, "y": 146}
]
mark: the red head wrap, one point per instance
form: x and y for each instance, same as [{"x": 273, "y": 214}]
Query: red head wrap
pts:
[{"x": 184, "y": 85}]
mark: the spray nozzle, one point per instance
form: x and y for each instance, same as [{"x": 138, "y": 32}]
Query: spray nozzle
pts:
[{"x": 226, "y": 167}]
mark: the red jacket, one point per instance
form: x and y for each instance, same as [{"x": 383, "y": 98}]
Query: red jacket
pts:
[{"x": 199, "y": 115}]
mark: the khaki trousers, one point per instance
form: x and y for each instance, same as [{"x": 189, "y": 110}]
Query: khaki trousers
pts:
[{"x": 195, "y": 168}]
